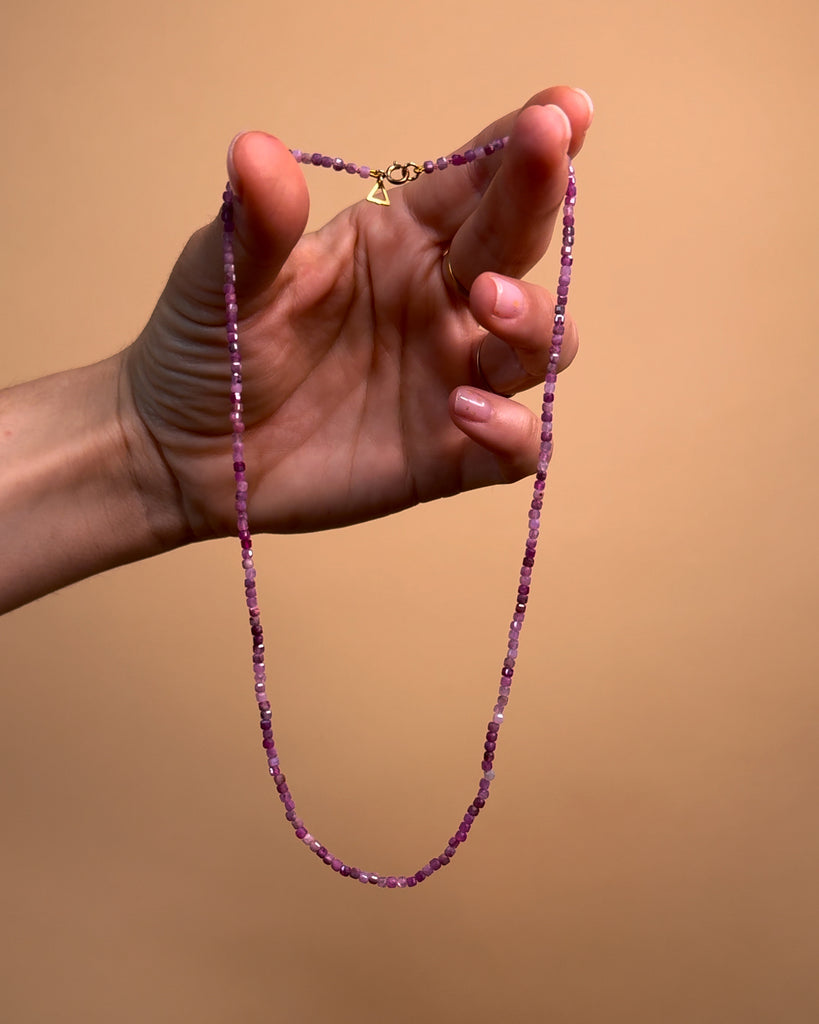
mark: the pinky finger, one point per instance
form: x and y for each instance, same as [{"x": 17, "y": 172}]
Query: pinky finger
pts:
[{"x": 508, "y": 433}]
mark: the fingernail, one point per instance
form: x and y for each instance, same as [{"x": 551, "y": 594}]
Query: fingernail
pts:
[
  {"x": 589, "y": 103},
  {"x": 508, "y": 298},
  {"x": 471, "y": 405},
  {"x": 231, "y": 167},
  {"x": 567, "y": 124}
]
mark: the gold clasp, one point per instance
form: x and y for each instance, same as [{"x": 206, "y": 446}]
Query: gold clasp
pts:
[{"x": 395, "y": 174}]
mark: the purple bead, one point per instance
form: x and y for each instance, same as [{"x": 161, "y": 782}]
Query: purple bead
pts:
[
  {"x": 326, "y": 161},
  {"x": 315, "y": 159},
  {"x": 470, "y": 155},
  {"x": 351, "y": 168},
  {"x": 429, "y": 166},
  {"x": 441, "y": 163},
  {"x": 338, "y": 164},
  {"x": 457, "y": 159}
]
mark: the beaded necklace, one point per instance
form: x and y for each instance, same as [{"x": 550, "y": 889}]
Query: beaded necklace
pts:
[{"x": 395, "y": 174}]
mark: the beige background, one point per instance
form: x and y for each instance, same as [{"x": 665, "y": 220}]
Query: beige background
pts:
[{"x": 650, "y": 852}]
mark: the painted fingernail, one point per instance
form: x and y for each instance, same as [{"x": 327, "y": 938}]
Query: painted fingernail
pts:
[
  {"x": 566, "y": 123},
  {"x": 588, "y": 101},
  {"x": 508, "y": 299},
  {"x": 472, "y": 405}
]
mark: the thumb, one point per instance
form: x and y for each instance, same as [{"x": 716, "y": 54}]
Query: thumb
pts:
[{"x": 272, "y": 204}]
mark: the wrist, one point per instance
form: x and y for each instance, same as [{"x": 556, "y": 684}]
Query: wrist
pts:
[{"x": 73, "y": 501}]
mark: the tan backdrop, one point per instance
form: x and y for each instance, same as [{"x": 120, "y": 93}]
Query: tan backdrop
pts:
[{"x": 650, "y": 852}]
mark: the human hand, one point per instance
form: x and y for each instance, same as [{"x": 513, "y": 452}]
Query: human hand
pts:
[{"x": 360, "y": 388}]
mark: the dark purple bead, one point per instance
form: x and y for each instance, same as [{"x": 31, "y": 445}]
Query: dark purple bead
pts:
[
  {"x": 411, "y": 881},
  {"x": 420, "y": 876},
  {"x": 321, "y": 851},
  {"x": 315, "y": 159},
  {"x": 443, "y": 860},
  {"x": 458, "y": 159},
  {"x": 344, "y": 870},
  {"x": 354, "y": 873},
  {"x": 435, "y": 864},
  {"x": 479, "y": 802},
  {"x": 301, "y": 833},
  {"x": 326, "y": 161},
  {"x": 338, "y": 164},
  {"x": 351, "y": 168},
  {"x": 470, "y": 155},
  {"x": 429, "y": 167},
  {"x": 373, "y": 879},
  {"x": 450, "y": 850}
]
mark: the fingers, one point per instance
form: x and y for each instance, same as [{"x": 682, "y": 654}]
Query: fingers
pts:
[
  {"x": 509, "y": 230},
  {"x": 445, "y": 199},
  {"x": 518, "y": 317},
  {"x": 507, "y": 433}
]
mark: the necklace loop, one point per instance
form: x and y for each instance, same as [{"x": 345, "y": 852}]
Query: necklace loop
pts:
[{"x": 396, "y": 174}]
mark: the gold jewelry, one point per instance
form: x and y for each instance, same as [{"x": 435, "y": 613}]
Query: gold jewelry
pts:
[
  {"x": 484, "y": 383},
  {"x": 452, "y": 280}
]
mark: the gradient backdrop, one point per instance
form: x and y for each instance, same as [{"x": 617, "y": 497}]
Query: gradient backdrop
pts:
[{"x": 651, "y": 851}]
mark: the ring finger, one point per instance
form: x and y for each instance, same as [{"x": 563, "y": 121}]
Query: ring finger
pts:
[{"x": 519, "y": 317}]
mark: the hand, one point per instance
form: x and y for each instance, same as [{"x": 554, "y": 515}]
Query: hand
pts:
[{"x": 360, "y": 387}]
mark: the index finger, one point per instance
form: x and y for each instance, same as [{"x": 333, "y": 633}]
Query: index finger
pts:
[{"x": 443, "y": 201}]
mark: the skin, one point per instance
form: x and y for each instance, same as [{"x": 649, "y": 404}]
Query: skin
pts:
[{"x": 360, "y": 391}]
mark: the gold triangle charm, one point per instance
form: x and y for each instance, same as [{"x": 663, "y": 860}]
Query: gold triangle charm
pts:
[{"x": 378, "y": 194}]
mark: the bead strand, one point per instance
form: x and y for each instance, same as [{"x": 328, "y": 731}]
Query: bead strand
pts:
[
  {"x": 428, "y": 166},
  {"x": 525, "y": 579}
]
